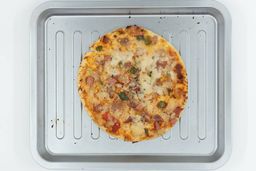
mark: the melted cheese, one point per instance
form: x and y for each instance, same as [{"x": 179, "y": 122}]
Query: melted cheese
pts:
[
  {"x": 117, "y": 56},
  {"x": 120, "y": 56},
  {"x": 137, "y": 129},
  {"x": 148, "y": 64}
]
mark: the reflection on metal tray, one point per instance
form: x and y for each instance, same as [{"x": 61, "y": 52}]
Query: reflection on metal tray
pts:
[{"x": 63, "y": 135}]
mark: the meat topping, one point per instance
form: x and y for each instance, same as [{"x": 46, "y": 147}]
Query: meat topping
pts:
[
  {"x": 139, "y": 107},
  {"x": 161, "y": 64},
  {"x": 128, "y": 120},
  {"x": 156, "y": 125},
  {"x": 145, "y": 117},
  {"x": 107, "y": 58},
  {"x": 124, "y": 41},
  {"x": 178, "y": 69},
  {"x": 154, "y": 40},
  {"x": 122, "y": 95},
  {"x": 177, "y": 111},
  {"x": 106, "y": 116},
  {"x": 127, "y": 64},
  {"x": 90, "y": 80},
  {"x": 111, "y": 81},
  {"x": 173, "y": 121},
  {"x": 158, "y": 118},
  {"x": 135, "y": 30},
  {"x": 105, "y": 39},
  {"x": 116, "y": 126},
  {"x": 98, "y": 108}
]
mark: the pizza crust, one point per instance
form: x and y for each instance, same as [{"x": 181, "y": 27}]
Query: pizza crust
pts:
[{"x": 133, "y": 84}]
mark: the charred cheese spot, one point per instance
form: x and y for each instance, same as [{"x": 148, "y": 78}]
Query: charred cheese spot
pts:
[{"x": 105, "y": 39}]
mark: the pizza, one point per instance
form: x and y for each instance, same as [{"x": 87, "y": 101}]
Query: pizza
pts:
[{"x": 133, "y": 84}]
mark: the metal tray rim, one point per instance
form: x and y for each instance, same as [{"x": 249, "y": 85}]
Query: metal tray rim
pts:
[{"x": 140, "y": 166}]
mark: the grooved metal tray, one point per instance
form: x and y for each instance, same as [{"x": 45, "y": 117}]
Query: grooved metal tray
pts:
[{"x": 63, "y": 135}]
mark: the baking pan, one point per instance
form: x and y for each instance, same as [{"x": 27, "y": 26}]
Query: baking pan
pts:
[{"x": 62, "y": 134}]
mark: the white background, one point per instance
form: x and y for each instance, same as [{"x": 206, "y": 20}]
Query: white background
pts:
[{"x": 14, "y": 86}]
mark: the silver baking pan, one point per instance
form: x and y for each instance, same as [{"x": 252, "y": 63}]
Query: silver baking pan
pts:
[{"x": 62, "y": 134}]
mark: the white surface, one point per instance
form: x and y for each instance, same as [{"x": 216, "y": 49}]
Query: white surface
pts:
[{"x": 14, "y": 87}]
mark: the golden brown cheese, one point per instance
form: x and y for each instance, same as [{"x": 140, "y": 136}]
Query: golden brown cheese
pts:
[{"x": 133, "y": 84}]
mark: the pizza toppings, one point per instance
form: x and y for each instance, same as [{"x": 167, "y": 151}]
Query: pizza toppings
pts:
[
  {"x": 133, "y": 70},
  {"x": 136, "y": 88},
  {"x": 172, "y": 53},
  {"x": 145, "y": 117},
  {"x": 99, "y": 48},
  {"x": 105, "y": 39},
  {"x": 177, "y": 111},
  {"x": 90, "y": 80},
  {"x": 149, "y": 73},
  {"x": 161, "y": 52},
  {"x": 132, "y": 104},
  {"x": 107, "y": 58},
  {"x": 140, "y": 37},
  {"x": 111, "y": 81},
  {"x": 130, "y": 80},
  {"x": 158, "y": 118},
  {"x": 135, "y": 30},
  {"x": 146, "y": 131},
  {"x": 161, "y": 64},
  {"x": 173, "y": 121},
  {"x": 169, "y": 90},
  {"x": 124, "y": 41},
  {"x": 179, "y": 93},
  {"x": 115, "y": 122},
  {"x": 125, "y": 79},
  {"x": 147, "y": 40},
  {"x": 161, "y": 104},
  {"x": 136, "y": 106},
  {"x": 117, "y": 105},
  {"x": 156, "y": 125},
  {"x": 120, "y": 31},
  {"x": 110, "y": 92},
  {"x": 154, "y": 40},
  {"x": 139, "y": 52},
  {"x": 127, "y": 64},
  {"x": 98, "y": 108},
  {"x": 158, "y": 82},
  {"x": 139, "y": 107},
  {"x": 106, "y": 116},
  {"x": 95, "y": 74},
  {"x": 123, "y": 96},
  {"x": 116, "y": 126},
  {"x": 128, "y": 120},
  {"x": 178, "y": 69}
]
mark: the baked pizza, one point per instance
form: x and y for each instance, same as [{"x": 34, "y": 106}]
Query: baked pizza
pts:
[{"x": 133, "y": 84}]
